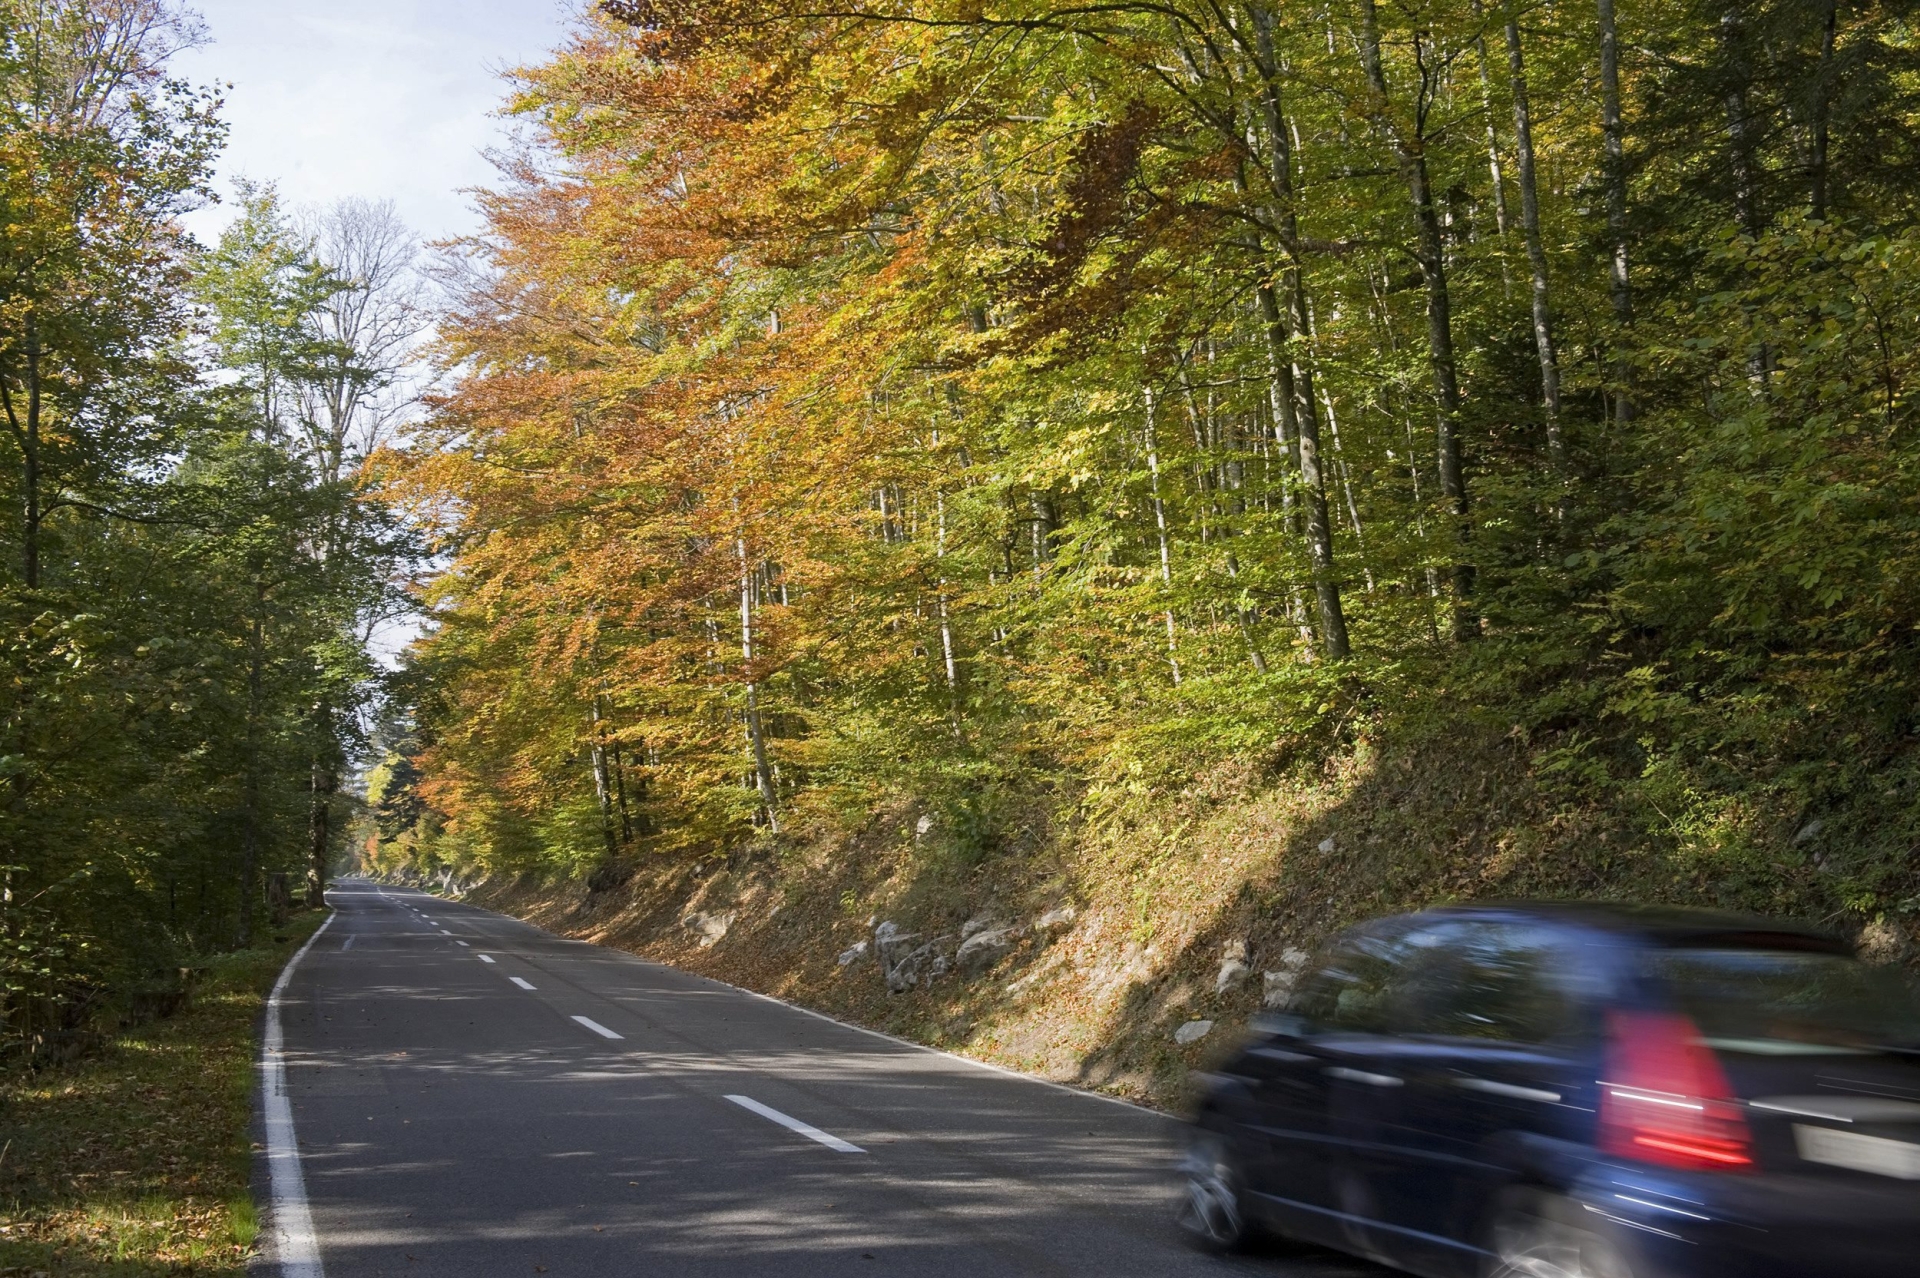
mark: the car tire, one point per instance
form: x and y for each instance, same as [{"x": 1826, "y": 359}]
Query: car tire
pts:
[
  {"x": 1536, "y": 1234},
  {"x": 1213, "y": 1210}
]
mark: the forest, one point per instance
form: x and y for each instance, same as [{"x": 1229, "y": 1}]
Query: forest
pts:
[
  {"x": 1008, "y": 414},
  {"x": 190, "y": 563},
  {"x": 982, "y": 408}
]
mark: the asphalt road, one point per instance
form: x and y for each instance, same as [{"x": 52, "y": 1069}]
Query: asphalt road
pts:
[{"x": 464, "y": 1109}]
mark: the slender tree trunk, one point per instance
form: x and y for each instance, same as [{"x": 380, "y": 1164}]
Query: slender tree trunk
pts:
[
  {"x": 946, "y": 621},
  {"x": 1433, "y": 265},
  {"x": 762, "y": 769},
  {"x": 31, "y": 462},
  {"x": 602, "y": 779},
  {"x": 1496, "y": 177},
  {"x": 1536, "y": 259},
  {"x": 1740, "y": 142},
  {"x": 1281, "y": 324},
  {"x": 1822, "y": 110},
  {"x": 1614, "y": 142},
  {"x": 1160, "y": 527},
  {"x": 325, "y": 782},
  {"x": 250, "y": 785}
]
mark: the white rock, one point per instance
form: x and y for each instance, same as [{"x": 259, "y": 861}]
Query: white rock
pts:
[
  {"x": 1232, "y": 972},
  {"x": 1326, "y": 844},
  {"x": 978, "y": 923},
  {"x": 983, "y": 949},
  {"x": 1060, "y": 918},
  {"x": 1278, "y": 984},
  {"x": 709, "y": 927},
  {"x": 924, "y": 826},
  {"x": 1192, "y": 1032},
  {"x": 852, "y": 953}
]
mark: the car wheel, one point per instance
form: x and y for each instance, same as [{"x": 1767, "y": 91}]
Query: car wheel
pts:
[
  {"x": 1542, "y": 1235},
  {"x": 1212, "y": 1210}
]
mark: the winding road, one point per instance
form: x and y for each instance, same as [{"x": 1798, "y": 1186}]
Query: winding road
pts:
[{"x": 472, "y": 1096}]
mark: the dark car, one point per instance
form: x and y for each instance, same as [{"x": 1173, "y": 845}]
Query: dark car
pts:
[{"x": 1560, "y": 1090}]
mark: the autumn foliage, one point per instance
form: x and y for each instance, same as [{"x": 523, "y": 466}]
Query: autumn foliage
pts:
[{"x": 957, "y": 400}]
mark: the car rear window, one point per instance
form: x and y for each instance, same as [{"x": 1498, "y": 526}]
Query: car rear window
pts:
[{"x": 1785, "y": 1003}]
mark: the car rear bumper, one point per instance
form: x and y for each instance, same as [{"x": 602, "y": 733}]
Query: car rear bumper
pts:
[{"x": 1765, "y": 1226}]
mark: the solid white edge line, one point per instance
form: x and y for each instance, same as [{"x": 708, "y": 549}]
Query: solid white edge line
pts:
[
  {"x": 918, "y": 1047},
  {"x": 795, "y": 1125},
  {"x": 597, "y": 1027},
  {"x": 522, "y": 982},
  {"x": 295, "y": 1246}
]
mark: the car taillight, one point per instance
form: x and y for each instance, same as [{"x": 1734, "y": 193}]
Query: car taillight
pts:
[{"x": 1665, "y": 1098}]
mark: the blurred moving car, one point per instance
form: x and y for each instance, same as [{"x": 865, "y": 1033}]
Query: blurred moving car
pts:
[{"x": 1575, "y": 1091}]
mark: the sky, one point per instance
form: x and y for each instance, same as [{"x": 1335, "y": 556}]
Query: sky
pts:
[{"x": 384, "y": 99}]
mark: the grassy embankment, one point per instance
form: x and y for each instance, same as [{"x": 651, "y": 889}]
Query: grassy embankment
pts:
[
  {"x": 136, "y": 1161},
  {"x": 1165, "y": 890}
]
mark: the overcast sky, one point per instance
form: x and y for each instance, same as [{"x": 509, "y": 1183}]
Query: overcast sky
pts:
[{"x": 387, "y": 99}]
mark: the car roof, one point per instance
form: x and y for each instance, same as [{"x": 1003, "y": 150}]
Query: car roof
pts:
[{"x": 1658, "y": 925}]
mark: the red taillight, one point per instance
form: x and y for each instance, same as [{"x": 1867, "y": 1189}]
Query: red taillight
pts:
[{"x": 1665, "y": 1099}]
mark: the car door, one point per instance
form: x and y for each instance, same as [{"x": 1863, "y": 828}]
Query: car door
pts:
[
  {"x": 1331, "y": 1019},
  {"x": 1490, "y": 1049}
]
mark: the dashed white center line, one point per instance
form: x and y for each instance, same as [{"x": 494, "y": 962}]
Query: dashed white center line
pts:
[
  {"x": 486, "y": 958},
  {"x": 793, "y": 1124},
  {"x": 597, "y": 1027},
  {"x": 523, "y": 984},
  {"x": 347, "y": 944},
  {"x": 463, "y": 943}
]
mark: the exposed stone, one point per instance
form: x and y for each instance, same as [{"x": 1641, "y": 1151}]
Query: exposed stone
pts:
[
  {"x": 1808, "y": 830},
  {"x": 890, "y": 944},
  {"x": 708, "y": 928},
  {"x": 924, "y": 826},
  {"x": 925, "y": 962},
  {"x": 1277, "y": 985},
  {"x": 1233, "y": 966},
  {"x": 978, "y": 923},
  {"x": 984, "y": 949},
  {"x": 852, "y": 953},
  {"x": 1326, "y": 844},
  {"x": 1055, "y": 920},
  {"x": 1192, "y": 1032}
]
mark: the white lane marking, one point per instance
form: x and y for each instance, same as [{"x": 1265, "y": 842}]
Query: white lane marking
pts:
[
  {"x": 486, "y": 958},
  {"x": 597, "y": 1027},
  {"x": 795, "y": 1125},
  {"x": 463, "y": 943},
  {"x": 291, "y": 1221},
  {"x": 346, "y": 944},
  {"x": 523, "y": 984}
]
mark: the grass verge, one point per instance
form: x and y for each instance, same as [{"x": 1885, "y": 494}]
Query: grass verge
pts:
[{"x": 137, "y": 1161}]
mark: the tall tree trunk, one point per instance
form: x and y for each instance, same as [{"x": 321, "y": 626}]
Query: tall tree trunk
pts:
[
  {"x": 1160, "y": 527},
  {"x": 324, "y": 783},
  {"x": 1431, "y": 254},
  {"x": 1615, "y": 175},
  {"x": 1822, "y": 110},
  {"x": 250, "y": 784},
  {"x": 602, "y": 779},
  {"x": 1282, "y": 322},
  {"x": 756, "y": 737},
  {"x": 1536, "y": 259},
  {"x": 1740, "y": 140}
]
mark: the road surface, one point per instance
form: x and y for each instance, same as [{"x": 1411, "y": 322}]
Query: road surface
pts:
[{"x": 475, "y": 1097}]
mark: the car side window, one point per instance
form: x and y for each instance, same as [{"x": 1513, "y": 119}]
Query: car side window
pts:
[
  {"x": 1354, "y": 986},
  {"x": 1496, "y": 981}
]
